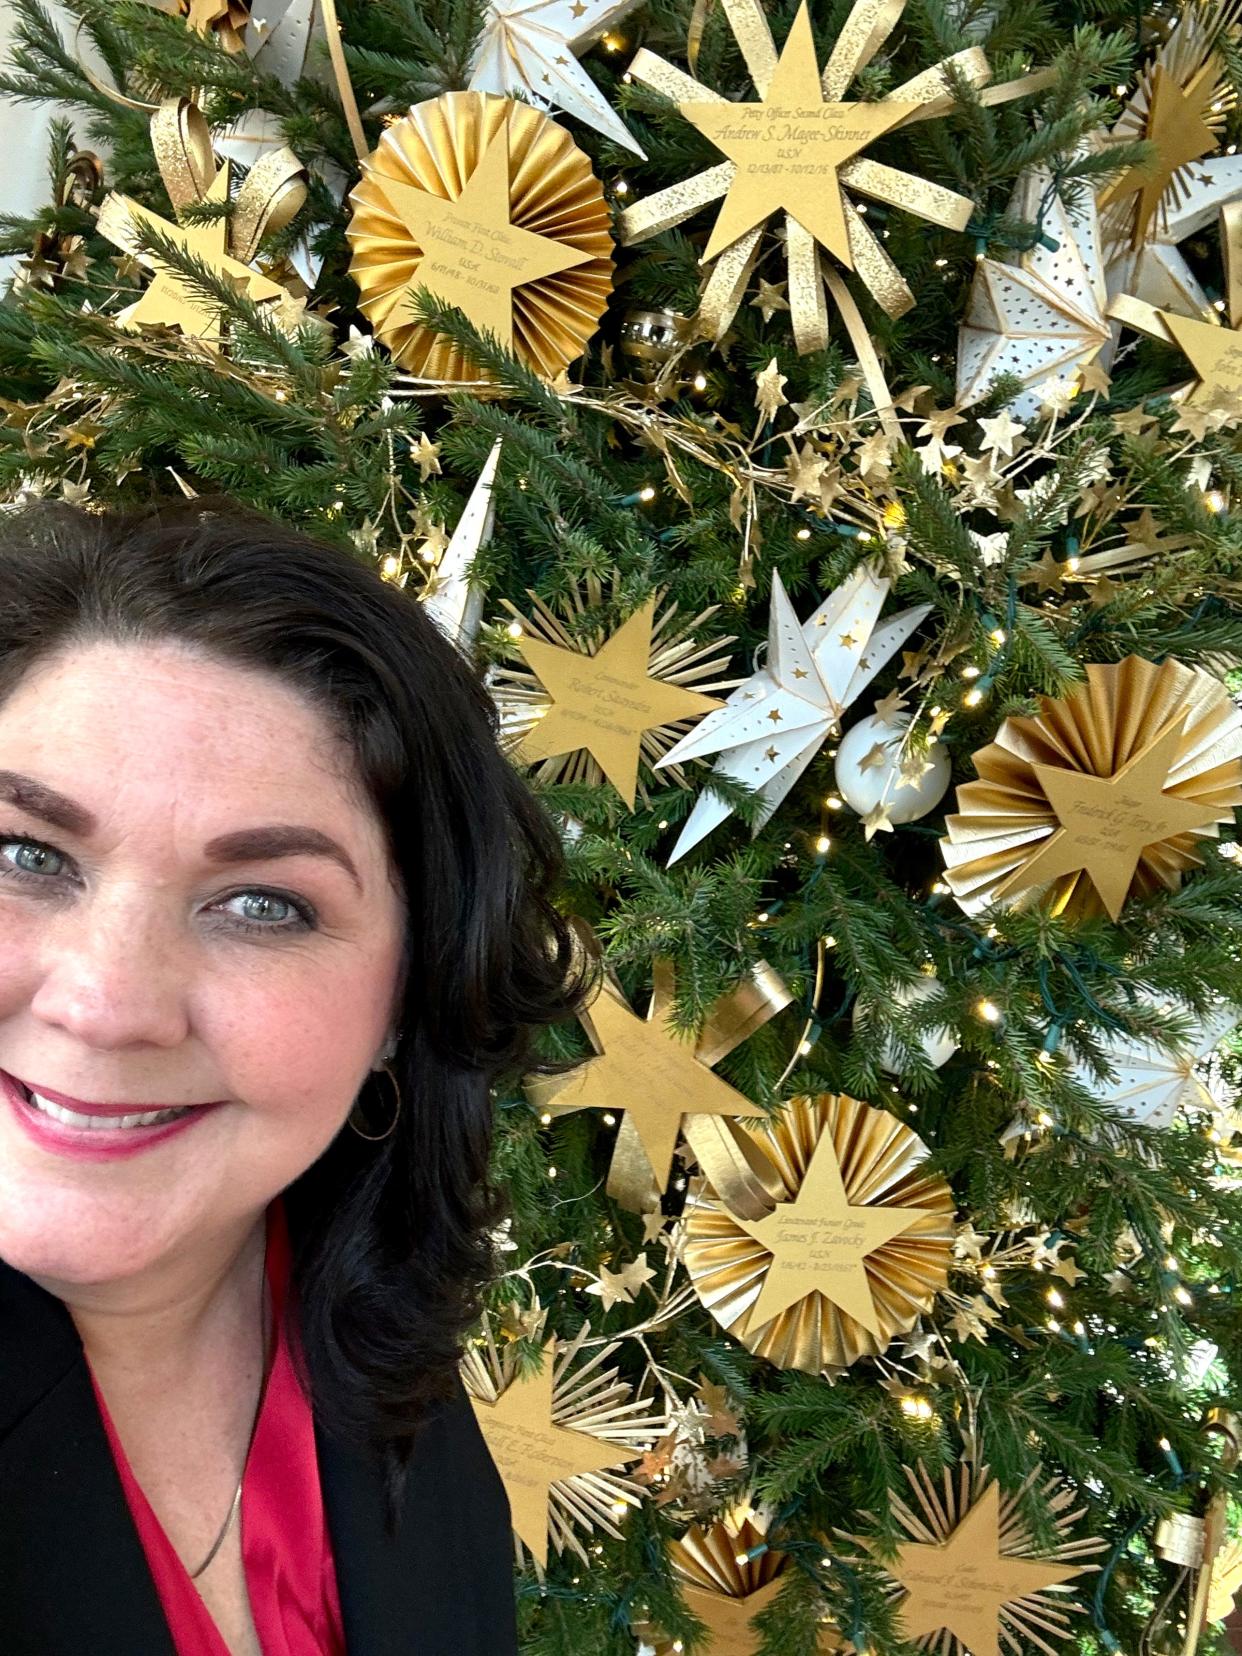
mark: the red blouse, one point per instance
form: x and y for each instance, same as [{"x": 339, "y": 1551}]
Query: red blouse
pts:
[{"x": 286, "y": 1550}]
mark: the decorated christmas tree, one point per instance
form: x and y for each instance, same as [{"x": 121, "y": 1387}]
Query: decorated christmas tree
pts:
[{"x": 820, "y": 424}]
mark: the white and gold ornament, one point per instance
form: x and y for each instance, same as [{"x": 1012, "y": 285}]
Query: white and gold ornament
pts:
[
  {"x": 452, "y": 599},
  {"x": 1042, "y": 319},
  {"x": 1152, "y": 1080},
  {"x": 938, "y": 1044},
  {"x": 771, "y": 727},
  {"x": 531, "y": 47},
  {"x": 885, "y": 781}
]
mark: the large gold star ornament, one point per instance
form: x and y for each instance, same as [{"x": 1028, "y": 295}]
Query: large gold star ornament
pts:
[
  {"x": 657, "y": 1077},
  {"x": 1100, "y": 796},
  {"x": 545, "y": 1431},
  {"x": 788, "y": 150},
  {"x": 170, "y": 301},
  {"x": 489, "y": 205},
  {"x": 270, "y": 197},
  {"x": 473, "y": 257},
  {"x": 970, "y": 1580},
  {"x": 593, "y": 713},
  {"x": 852, "y": 1252},
  {"x": 799, "y": 150}
]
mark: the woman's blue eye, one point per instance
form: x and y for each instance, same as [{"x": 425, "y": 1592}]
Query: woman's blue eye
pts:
[{"x": 304, "y": 915}]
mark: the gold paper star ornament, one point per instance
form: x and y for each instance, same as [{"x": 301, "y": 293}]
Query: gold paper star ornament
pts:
[
  {"x": 473, "y": 256},
  {"x": 1099, "y": 796},
  {"x": 851, "y": 1252},
  {"x": 820, "y": 1241},
  {"x": 545, "y": 1431},
  {"x": 492, "y": 207},
  {"x": 591, "y": 714},
  {"x": 788, "y": 148},
  {"x": 971, "y": 1581}
]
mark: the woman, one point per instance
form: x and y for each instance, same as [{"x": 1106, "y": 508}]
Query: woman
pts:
[{"x": 275, "y": 921}]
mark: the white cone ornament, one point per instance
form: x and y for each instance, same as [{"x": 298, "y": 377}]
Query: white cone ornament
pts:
[
  {"x": 937, "y": 1044},
  {"x": 869, "y": 762}
]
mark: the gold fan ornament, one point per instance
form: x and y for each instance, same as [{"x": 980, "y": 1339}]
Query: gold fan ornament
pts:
[
  {"x": 799, "y": 151},
  {"x": 558, "y": 1437},
  {"x": 1101, "y": 795},
  {"x": 971, "y": 1579},
  {"x": 853, "y": 1250},
  {"x": 586, "y": 710},
  {"x": 273, "y": 192},
  {"x": 491, "y": 206},
  {"x": 724, "y": 1586}
]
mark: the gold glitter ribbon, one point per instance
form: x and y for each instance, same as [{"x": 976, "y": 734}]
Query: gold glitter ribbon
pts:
[
  {"x": 344, "y": 87},
  {"x": 1231, "y": 247},
  {"x": 273, "y": 191},
  {"x": 866, "y": 29}
]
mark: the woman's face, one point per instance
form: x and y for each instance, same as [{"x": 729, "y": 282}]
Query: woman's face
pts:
[{"x": 128, "y": 974}]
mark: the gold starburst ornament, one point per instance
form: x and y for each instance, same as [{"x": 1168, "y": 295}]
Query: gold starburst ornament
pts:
[
  {"x": 585, "y": 708},
  {"x": 1099, "y": 796},
  {"x": 855, "y": 1243},
  {"x": 799, "y": 151},
  {"x": 492, "y": 207},
  {"x": 559, "y": 1437},
  {"x": 971, "y": 1580}
]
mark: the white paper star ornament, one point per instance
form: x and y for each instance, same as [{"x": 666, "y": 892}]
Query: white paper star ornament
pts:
[
  {"x": 771, "y": 727},
  {"x": 530, "y": 47},
  {"x": 1042, "y": 319}
]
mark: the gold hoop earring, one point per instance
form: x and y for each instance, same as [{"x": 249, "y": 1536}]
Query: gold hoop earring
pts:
[{"x": 375, "y": 1138}]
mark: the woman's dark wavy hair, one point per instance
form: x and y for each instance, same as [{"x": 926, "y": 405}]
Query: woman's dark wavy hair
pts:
[{"x": 393, "y": 1242}]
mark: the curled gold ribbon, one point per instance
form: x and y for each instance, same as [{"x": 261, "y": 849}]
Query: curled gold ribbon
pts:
[{"x": 273, "y": 191}]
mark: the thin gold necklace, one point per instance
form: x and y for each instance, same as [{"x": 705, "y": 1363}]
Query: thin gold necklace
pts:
[{"x": 236, "y": 1501}]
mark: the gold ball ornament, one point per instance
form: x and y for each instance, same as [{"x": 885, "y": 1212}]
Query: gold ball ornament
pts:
[
  {"x": 1101, "y": 795},
  {"x": 490, "y": 205},
  {"x": 852, "y": 1252}
]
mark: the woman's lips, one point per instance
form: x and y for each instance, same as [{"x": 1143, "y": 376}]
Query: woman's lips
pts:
[
  {"x": 85, "y": 1108},
  {"x": 92, "y": 1144}
]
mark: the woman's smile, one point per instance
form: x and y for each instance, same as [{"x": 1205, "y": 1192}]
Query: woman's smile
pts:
[{"x": 102, "y": 1132}]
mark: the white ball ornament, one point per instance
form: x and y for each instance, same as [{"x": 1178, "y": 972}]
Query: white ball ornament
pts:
[
  {"x": 868, "y": 763},
  {"x": 937, "y": 1044}
]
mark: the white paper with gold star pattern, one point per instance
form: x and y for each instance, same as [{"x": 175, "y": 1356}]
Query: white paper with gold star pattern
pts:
[
  {"x": 772, "y": 726},
  {"x": 531, "y": 47}
]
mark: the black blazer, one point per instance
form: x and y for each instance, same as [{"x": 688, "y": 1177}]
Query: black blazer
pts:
[{"x": 74, "y": 1578}]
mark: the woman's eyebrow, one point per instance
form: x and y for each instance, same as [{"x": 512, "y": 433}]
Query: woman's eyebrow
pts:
[{"x": 239, "y": 845}]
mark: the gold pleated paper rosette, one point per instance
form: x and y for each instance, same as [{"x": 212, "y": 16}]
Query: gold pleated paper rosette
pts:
[
  {"x": 1099, "y": 796},
  {"x": 723, "y": 1586},
  {"x": 851, "y": 1253},
  {"x": 493, "y": 207}
]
